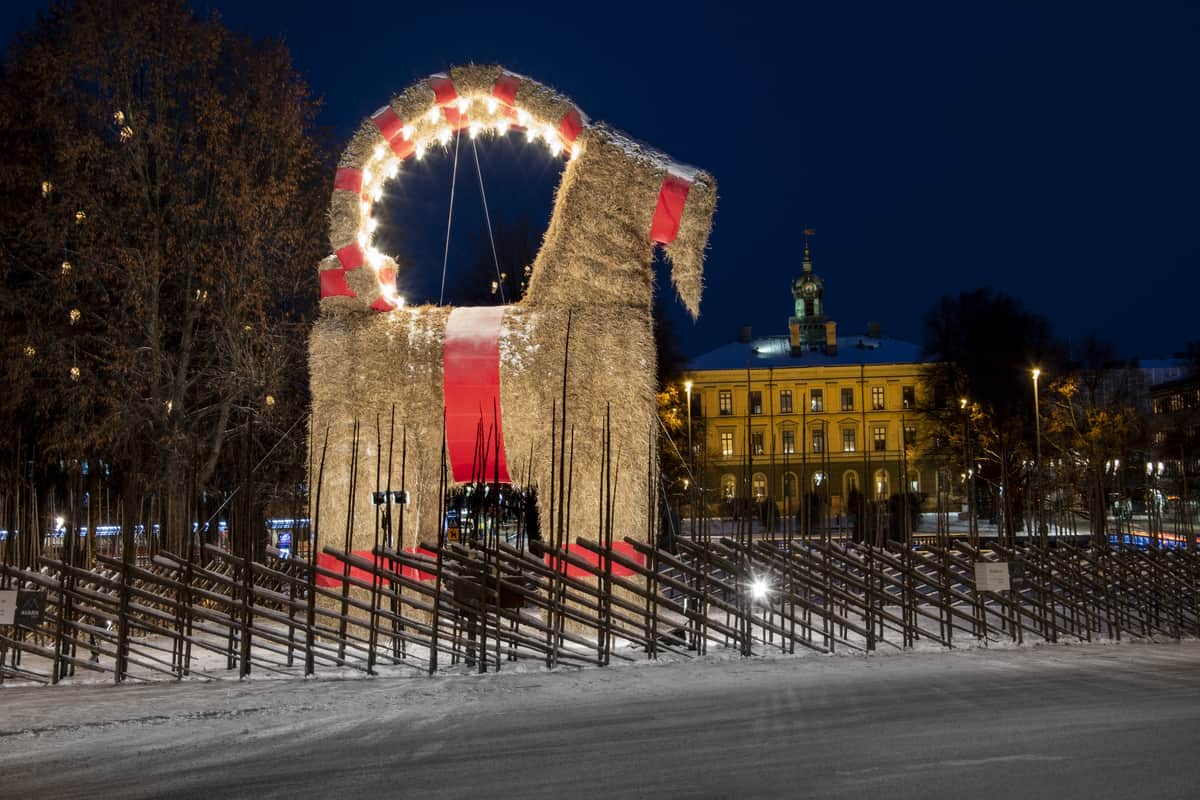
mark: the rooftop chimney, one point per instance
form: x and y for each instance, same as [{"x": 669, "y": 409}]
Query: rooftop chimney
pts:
[
  {"x": 831, "y": 338},
  {"x": 744, "y": 337}
]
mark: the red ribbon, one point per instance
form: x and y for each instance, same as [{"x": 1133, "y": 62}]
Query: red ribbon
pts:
[
  {"x": 335, "y": 564},
  {"x": 471, "y": 390},
  {"x": 622, "y": 548},
  {"x": 444, "y": 93},
  {"x": 571, "y": 126},
  {"x": 390, "y": 125},
  {"x": 671, "y": 198},
  {"x": 505, "y": 89},
  {"x": 349, "y": 179},
  {"x": 351, "y": 256},
  {"x": 333, "y": 283}
]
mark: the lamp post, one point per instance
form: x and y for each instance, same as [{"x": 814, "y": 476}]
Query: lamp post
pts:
[
  {"x": 1037, "y": 423},
  {"x": 687, "y": 387}
]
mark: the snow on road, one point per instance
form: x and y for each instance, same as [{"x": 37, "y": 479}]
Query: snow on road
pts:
[{"x": 1101, "y": 720}]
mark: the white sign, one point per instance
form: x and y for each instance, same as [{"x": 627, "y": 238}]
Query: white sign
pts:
[
  {"x": 8, "y": 607},
  {"x": 991, "y": 576}
]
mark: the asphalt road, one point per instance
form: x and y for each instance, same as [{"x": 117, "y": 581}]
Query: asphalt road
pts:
[{"x": 1087, "y": 721}]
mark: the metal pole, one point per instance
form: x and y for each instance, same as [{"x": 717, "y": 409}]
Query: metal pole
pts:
[{"x": 1037, "y": 500}]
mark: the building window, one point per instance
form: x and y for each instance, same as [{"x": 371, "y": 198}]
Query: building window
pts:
[
  {"x": 785, "y": 401},
  {"x": 818, "y": 481},
  {"x": 725, "y": 403},
  {"x": 817, "y": 400},
  {"x": 847, "y": 399},
  {"x": 1177, "y": 402},
  {"x": 756, "y": 402},
  {"x": 727, "y": 443},
  {"x": 728, "y": 486},
  {"x": 1160, "y": 405},
  {"x": 882, "y": 488},
  {"x": 756, "y": 443},
  {"x": 789, "y": 441},
  {"x": 1160, "y": 437},
  {"x": 847, "y": 440},
  {"x": 910, "y": 435},
  {"x": 759, "y": 486},
  {"x": 849, "y": 484},
  {"x": 877, "y": 398},
  {"x": 879, "y": 435},
  {"x": 818, "y": 440},
  {"x": 909, "y": 393},
  {"x": 790, "y": 485}
]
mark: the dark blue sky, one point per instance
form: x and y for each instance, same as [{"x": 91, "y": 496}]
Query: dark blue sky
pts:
[{"x": 1051, "y": 151}]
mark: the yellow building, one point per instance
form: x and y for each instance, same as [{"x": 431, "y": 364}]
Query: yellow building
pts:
[{"x": 807, "y": 409}]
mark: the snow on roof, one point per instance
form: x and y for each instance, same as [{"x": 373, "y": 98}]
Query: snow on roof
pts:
[{"x": 776, "y": 351}]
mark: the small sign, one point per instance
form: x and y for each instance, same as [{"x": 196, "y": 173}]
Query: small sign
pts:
[
  {"x": 31, "y": 609},
  {"x": 991, "y": 576},
  {"x": 8, "y": 607}
]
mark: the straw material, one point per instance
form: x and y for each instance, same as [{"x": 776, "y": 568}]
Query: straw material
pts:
[{"x": 594, "y": 265}]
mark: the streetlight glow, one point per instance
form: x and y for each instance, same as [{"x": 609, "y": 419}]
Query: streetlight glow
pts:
[{"x": 758, "y": 589}]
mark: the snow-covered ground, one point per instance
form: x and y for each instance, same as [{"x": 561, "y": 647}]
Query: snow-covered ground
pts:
[{"x": 1100, "y": 720}]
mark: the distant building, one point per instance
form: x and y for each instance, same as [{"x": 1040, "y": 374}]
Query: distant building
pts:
[
  {"x": 808, "y": 410},
  {"x": 1174, "y": 428}
]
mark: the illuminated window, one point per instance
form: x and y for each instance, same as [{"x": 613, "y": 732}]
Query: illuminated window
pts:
[
  {"x": 728, "y": 486},
  {"x": 785, "y": 401},
  {"x": 847, "y": 399},
  {"x": 877, "y": 398},
  {"x": 818, "y": 441},
  {"x": 789, "y": 441},
  {"x": 817, "y": 400},
  {"x": 848, "y": 440},
  {"x": 756, "y": 402},
  {"x": 759, "y": 486},
  {"x": 882, "y": 489},
  {"x": 725, "y": 403},
  {"x": 726, "y": 443},
  {"x": 909, "y": 394},
  {"x": 756, "y": 443},
  {"x": 879, "y": 436},
  {"x": 910, "y": 435}
]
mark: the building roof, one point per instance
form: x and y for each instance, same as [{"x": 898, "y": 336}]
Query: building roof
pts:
[{"x": 776, "y": 351}]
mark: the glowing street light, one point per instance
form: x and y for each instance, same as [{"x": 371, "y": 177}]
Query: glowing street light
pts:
[
  {"x": 758, "y": 589},
  {"x": 1037, "y": 422}
]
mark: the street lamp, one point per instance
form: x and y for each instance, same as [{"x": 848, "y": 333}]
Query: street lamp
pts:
[{"x": 1037, "y": 422}]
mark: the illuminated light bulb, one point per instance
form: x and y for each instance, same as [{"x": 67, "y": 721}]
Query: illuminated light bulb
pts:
[
  {"x": 443, "y": 136},
  {"x": 364, "y": 208},
  {"x": 47, "y": 188},
  {"x": 555, "y": 147},
  {"x": 492, "y": 105},
  {"x": 374, "y": 257},
  {"x": 74, "y": 373},
  {"x": 474, "y": 128},
  {"x": 419, "y": 151},
  {"x": 575, "y": 152},
  {"x": 80, "y": 216},
  {"x": 531, "y": 135},
  {"x": 118, "y": 117},
  {"x": 30, "y": 351},
  {"x": 170, "y": 404},
  {"x": 523, "y": 117},
  {"x": 432, "y": 116},
  {"x": 377, "y": 192},
  {"x": 126, "y": 133},
  {"x": 380, "y": 150},
  {"x": 502, "y": 126},
  {"x": 269, "y": 400},
  {"x": 367, "y": 177},
  {"x": 463, "y": 104},
  {"x": 549, "y": 134},
  {"x": 74, "y": 315},
  {"x": 392, "y": 168},
  {"x": 407, "y": 133},
  {"x": 364, "y": 238},
  {"x": 66, "y": 267},
  {"x": 372, "y": 224}
]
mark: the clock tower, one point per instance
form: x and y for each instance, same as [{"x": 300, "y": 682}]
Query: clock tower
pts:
[{"x": 807, "y": 327}]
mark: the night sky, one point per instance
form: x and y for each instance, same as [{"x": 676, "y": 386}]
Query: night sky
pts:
[{"x": 1050, "y": 152}]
